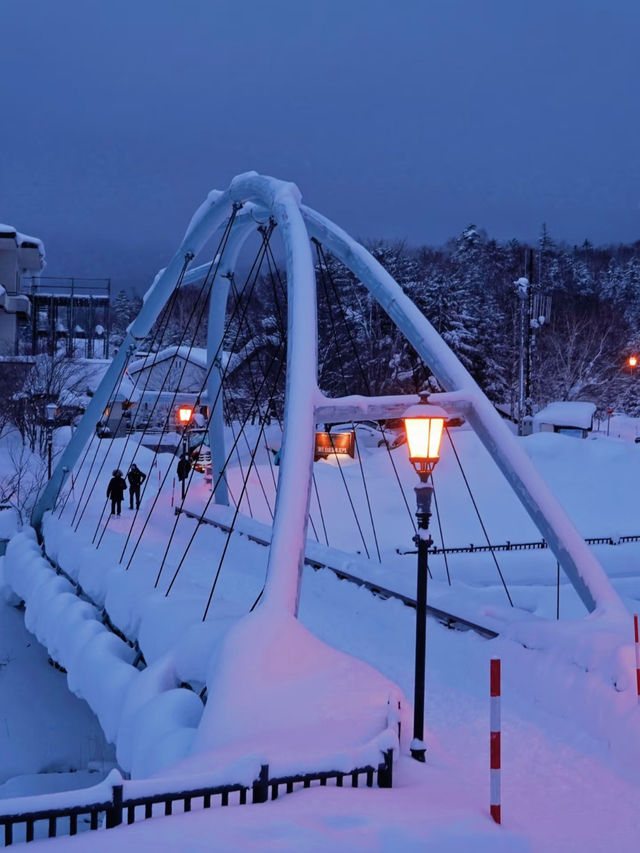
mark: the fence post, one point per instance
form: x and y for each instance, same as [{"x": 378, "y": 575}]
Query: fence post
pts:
[
  {"x": 114, "y": 812},
  {"x": 494, "y": 743},
  {"x": 637, "y": 638},
  {"x": 261, "y": 785},
  {"x": 385, "y": 770}
]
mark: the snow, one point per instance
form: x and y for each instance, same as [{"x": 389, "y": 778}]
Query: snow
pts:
[
  {"x": 566, "y": 414},
  {"x": 10, "y": 231},
  {"x": 197, "y": 355},
  {"x": 571, "y": 727}
]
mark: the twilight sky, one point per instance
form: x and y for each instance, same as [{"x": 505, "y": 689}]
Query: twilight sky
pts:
[{"x": 396, "y": 118}]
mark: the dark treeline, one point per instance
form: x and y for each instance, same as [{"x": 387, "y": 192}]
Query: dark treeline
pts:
[{"x": 467, "y": 290}]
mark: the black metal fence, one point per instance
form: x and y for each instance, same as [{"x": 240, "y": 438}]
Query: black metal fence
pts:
[
  {"x": 523, "y": 546},
  {"x": 124, "y": 806}
]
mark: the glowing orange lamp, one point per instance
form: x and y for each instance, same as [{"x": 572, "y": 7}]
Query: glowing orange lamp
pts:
[
  {"x": 632, "y": 361},
  {"x": 184, "y": 415},
  {"x": 424, "y": 424}
]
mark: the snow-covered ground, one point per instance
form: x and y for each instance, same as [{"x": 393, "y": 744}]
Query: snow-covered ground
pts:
[{"x": 571, "y": 723}]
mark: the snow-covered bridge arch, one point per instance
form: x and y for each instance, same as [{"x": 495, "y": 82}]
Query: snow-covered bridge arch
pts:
[{"x": 261, "y": 197}]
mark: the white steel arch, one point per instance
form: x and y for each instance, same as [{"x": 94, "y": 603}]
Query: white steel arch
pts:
[{"x": 304, "y": 403}]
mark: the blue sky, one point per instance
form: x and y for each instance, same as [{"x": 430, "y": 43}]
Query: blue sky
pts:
[{"x": 404, "y": 120}]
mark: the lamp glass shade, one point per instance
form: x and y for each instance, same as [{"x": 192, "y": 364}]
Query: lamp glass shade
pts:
[
  {"x": 424, "y": 425},
  {"x": 632, "y": 361},
  {"x": 184, "y": 414}
]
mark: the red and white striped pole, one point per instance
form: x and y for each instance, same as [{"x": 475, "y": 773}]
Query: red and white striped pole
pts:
[
  {"x": 635, "y": 627},
  {"x": 494, "y": 747}
]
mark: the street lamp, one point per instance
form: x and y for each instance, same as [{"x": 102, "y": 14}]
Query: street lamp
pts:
[
  {"x": 185, "y": 413},
  {"x": 424, "y": 424},
  {"x": 50, "y": 410},
  {"x": 632, "y": 362}
]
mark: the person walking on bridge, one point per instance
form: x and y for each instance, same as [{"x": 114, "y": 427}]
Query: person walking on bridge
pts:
[
  {"x": 116, "y": 490},
  {"x": 136, "y": 478}
]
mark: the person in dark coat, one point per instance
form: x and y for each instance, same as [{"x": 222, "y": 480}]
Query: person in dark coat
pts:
[
  {"x": 184, "y": 467},
  {"x": 115, "y": 490},
  {"x": 135, "y": 478}
]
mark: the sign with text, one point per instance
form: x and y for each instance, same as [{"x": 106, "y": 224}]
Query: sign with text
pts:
[{"x": 342, "y": 443}]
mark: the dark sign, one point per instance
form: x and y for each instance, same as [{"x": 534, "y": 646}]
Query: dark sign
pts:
[{"x": 327, "y": 443}]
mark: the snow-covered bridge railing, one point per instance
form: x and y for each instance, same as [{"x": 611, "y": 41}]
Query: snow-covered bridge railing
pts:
[
  {"x": 116, "y": 801},
  {"x": 320, "y": 557}
]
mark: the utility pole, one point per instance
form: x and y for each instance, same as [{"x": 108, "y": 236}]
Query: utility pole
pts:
[
  {"x": 535, "y": 311},
  {"x": 523, "y": 289}
]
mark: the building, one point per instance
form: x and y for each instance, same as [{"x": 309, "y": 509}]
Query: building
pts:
[
  {"x": 166, "y": 381},
  {"x": 569, "y": 418},
  {"x": 43, "y": 314},
  {"x": 19, "y": 256},
  {"x": 69, "y": 316}
]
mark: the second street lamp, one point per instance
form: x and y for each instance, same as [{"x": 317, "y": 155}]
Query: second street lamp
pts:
[
  {"x": 424, "y": 424},
  {"x": 50, "y": 411},
  {"x": 185, "y": 413}
]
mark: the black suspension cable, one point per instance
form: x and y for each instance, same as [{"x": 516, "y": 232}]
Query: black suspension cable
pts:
[
  {"x": 187, "y": 261},
  {"x": 324, "y": 527},
  {"x": 214, "y": 361},
  {"x": 235, "y": 516},
  {"x": 231, "y": 403},
  {"x": 438, "y": 518},
  {"x": 363, "y": 374},
  {"x": 202, "y": 514},
  {"x": 236, "y": 439},
  {"x": 158, "y": 332},
  {"x": 345, "y": 391},
  {"x": 274, "y": 273},
  {"x": 94, "y": 437},
  {"x": 199, "y": 306},
  {"x": 475, "y": 506},
  {"x": 252, "y": 381}
]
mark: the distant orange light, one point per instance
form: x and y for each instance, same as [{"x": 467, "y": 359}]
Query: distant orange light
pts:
[
  {"x": 184, "y": 414},
  {"x": 632, "y": 361}
]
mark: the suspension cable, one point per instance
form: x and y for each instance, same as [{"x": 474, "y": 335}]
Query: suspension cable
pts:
[
  {"x": 346, "y": 391},
  {"x": 159, "y": 332},
  {"x": 201, "y": 304},
  {"x": 438, "y": 518},
  {"x": 235, "y": 515},
  {"x": 188, "y": 259},
  {"x": 94, "y": 437},
  {"x": 363, "y": 374},
  {"x": 475, "y": 506},
  {"x": 214, "y": 361},
  {"x": 220, "y": 476},
  {"x": 274, "y": 274}
]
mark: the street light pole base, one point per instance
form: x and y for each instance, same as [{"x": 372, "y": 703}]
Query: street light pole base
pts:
[{"x": 418, "y": 750}]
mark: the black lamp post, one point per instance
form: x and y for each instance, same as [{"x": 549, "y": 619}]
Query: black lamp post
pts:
[
  {"x": 424, "y": 424},
  {"x": 50, "y": 410}
]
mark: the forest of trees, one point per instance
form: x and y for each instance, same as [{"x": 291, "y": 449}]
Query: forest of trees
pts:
[{"x": 467, "y": 289}]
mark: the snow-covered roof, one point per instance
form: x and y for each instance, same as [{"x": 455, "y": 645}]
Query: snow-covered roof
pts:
[
  {"x": 24, "y": 243},
  {"x": 93, "y": 370},
  {"x": 567, "y": 414},
  {"x": 195, "y": 355}
]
